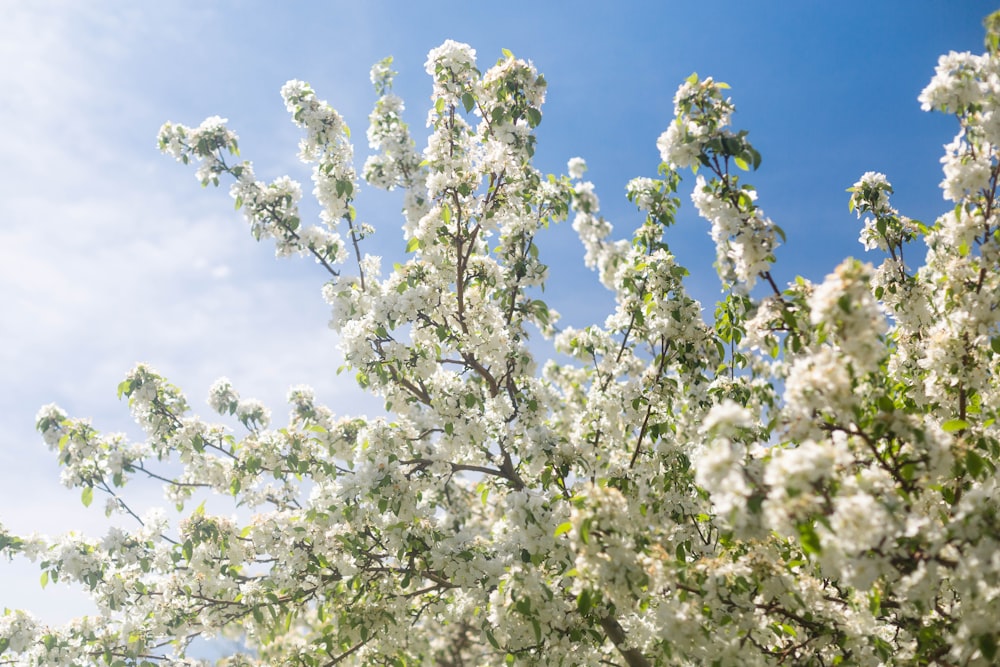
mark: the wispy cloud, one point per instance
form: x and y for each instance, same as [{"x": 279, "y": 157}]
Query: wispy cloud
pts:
[{"x": 109, "y": 254}]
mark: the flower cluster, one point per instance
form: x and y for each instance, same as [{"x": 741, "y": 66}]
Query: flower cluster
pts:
[{"x": 700, "y": 136}]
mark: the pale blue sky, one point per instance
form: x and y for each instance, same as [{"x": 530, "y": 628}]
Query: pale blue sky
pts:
[{"x": 111, "y": 253}]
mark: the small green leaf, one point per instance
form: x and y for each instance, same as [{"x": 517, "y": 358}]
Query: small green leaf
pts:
[
  {"x": 87, "y": 496},
  {"x": 534, "y": 117},
  {"x": 809, "y": 539},
  {"x": 953, "y": 425},
  {"x": 741, "y": 163},
  {"x": 562, "y": 528},
  {"x": 584, "y": 601},
  {"x": 44, "y": 581},
  {"x": 412, "y": 244},
  {"x": 988, "y": 645},
  {"x": 875, "y": 601},
  {"x": 468, "y": 101},
  {"x": 974, "y": 463}
]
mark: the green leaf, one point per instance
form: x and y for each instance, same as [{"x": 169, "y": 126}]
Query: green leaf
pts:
[
  {"x": 412, "y": 244},
  {"x": 44, "y": 581},
  {"x": 345, "y": 187},
  {"x": 808, "y": 538},
  {"x": 562, "y": 528},
  {"x": 124, "y": 388},
  {"x": 953, "y": 425},
  {"x": 468, "y": 101},
  {"x": 988, "y": 645},
  {"x": 584, "y": 601},
  {"x": 87, "y": 496},
  {"x": 875, "y": 601},
  {"x": 534, "y": 117},
  {"x": 741, "y": 163},
  {"x": 507, "y": 53},
  {"x": 974, "y": 463}
]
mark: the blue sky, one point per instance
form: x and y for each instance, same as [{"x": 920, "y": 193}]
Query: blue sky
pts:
[{"x": 111, "y": 253}]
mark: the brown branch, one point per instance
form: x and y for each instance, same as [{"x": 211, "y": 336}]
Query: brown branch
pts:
[
  {"x": 649, "y": 404},
  {"x": 616, "y": 633}
]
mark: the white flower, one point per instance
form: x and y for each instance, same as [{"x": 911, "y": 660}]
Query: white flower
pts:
[
  {"x": 844, "y": 305},
  {"x": 956, "y": 84},
  {"x": 858, "y": 522},
  {"x": 817, "y": 383},
  {"x": 726, "y": 417},
  {"x": 719, "y": 469},
  {"x": 253, "y": 413},
  {"x": 18, "y": 629},
  {"x": 222, "y": 397}
]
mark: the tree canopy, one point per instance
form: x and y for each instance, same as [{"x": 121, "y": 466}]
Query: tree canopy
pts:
[{"x": 805, "y": 477}]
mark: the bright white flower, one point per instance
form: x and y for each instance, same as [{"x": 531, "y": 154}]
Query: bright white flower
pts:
[
  {"x": 253, "y": 413},
  {"x": 956, "y": 85},
  {"x": 576, "y": 167},
  {"x": 725, "y": 417},
  {"x": 719, "y": 469},
  {"x": 858, "y": 522},
  {"x": 222, "y": 397},
  {"x": 18, "y": 630},
  {"x": 679, "y": 145},
  {"x": 817, "y": 383},
  {"x": 844, "y": 305},
  {"x": 643, "y": 192}
]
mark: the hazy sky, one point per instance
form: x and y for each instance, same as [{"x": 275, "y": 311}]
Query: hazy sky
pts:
[{"x": 111, "y": 253}]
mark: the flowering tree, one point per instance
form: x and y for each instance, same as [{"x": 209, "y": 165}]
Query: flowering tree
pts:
[{"x": 809, "y": 478}]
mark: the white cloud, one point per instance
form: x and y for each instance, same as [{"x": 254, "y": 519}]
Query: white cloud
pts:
[{"x": 110, "y": 254}]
